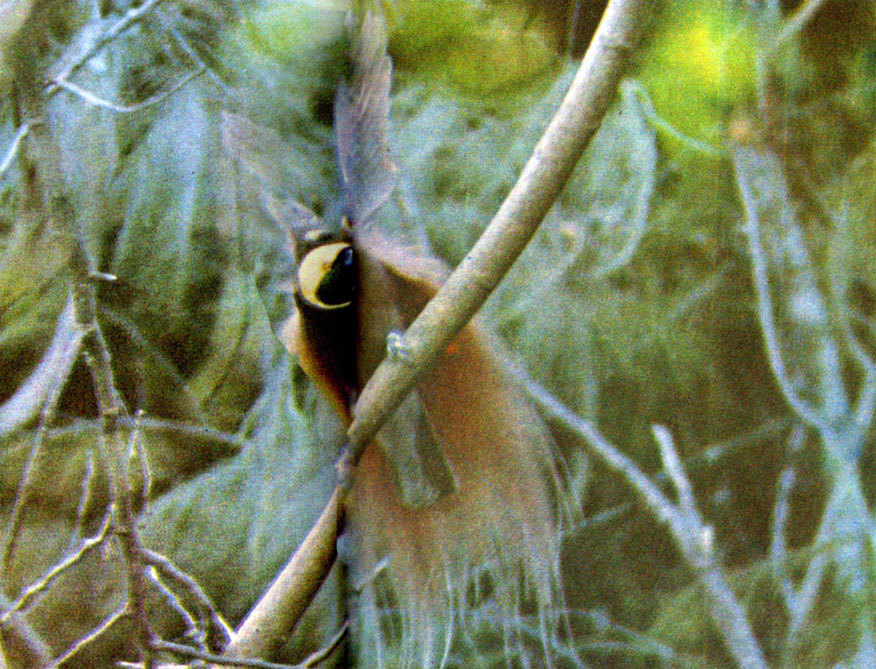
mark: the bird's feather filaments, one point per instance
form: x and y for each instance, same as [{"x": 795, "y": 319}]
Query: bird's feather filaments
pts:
[
  {"x": 495, "y": 539},
  {"x": 503, "y": 520}
]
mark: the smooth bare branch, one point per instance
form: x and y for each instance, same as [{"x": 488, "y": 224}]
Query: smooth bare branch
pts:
[
  {"x": 91, "y": 636},
  {"x": 195, "y": 630},
  {"x": 541, "y": 181},
  {"x": 269, "y": 622},
  {"x": 174, "y": 573},
  {"x": 12, "y": 151},
  {"x": 673, "y": 467},
  {"x": 94, "y": 38},
  {"x": 798, "y": 21},
  {"x": 93, "y": 99},
  {"x": 765, "y": 310},
  {"x": 40, "y": 392},
  {"x": 29, "y": 594}
]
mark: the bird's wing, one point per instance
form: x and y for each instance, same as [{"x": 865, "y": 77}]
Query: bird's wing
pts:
[{"x": 367, "y": 174}]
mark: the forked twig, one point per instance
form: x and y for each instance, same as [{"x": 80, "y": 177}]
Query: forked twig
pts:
[
  {"x": 171, "y": 571},
  {"x": 29, "y": 594},
  {"x": 94, "y": 42},
  {"x": 692, "y": 536},
  {"x": 97, "y": 101}
]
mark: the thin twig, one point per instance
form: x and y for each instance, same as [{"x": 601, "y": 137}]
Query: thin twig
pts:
[
  {"x": 323, "y": 653},
  {"x": 84, "y": 499},
  {"x": 166, "y": 367},
  {"x": 35, "y": 589},
  {"x": 169, "y": 26},
  {"x": 865, "y": 404},
  {"x": 704, "y": 456},
  {"x": 59, "y": 365},
  {"x": 672, "y": 465},
  {"x": 86, "y": 639},
  {"x": 312, "y": 660},
  {"x": 114, "y": 453},
  {"x": 194, "y": 631},
  {"x": 778, "y": 543},
  {"x": 20, "y": 632},
  {"x": 95, "y": 43},
  {"x": 659, "y": 503},
  {"x": 801, "y": 17},
  {"x": 136, "y": 447},
  {"x": 765, "y": 304},
  {"x": 54, "y": 367},
  {"x": 691, "y": 534},
  {"x": 660, "y": 124},
  {"x": 217, "y": 660},
  {"x": 805, "y": 594},
  {"x": 781, "y": 511},
  {"x": 229, "y": 444},
  {"x": 173, "y": 572},
  {"x": 122, "y": 109},
  {"x": 20, "y": 134}
]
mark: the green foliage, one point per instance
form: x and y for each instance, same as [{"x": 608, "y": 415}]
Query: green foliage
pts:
[
  {"x": 474, "y": 49},
  {"x": 294, "y": 31},
  {"x": 633, "y": 305},
  {"x": 699, "y": 64}
]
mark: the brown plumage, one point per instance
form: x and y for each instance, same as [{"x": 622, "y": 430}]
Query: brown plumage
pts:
[
  {"x": 461, "y": 482},
  {"x": 502, "y": 515}
]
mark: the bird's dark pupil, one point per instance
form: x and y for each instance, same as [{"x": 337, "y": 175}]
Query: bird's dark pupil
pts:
[{"x": 338, "y": 284}]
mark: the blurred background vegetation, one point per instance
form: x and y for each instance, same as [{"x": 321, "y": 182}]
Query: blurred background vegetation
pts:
[{"x": 634, "y": 304}]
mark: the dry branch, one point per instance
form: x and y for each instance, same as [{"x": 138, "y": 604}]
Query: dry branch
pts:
[
  {"x": 691, "y": 534},
  {"x": 276, "y": 613},
  {"x": 540, "y": 183}
]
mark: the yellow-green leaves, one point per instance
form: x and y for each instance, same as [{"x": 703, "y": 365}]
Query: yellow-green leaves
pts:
[
  {"x": 289, "y": 30},
  {"x": 699, "y": 66},
  {"x": 476, "y": 50}
]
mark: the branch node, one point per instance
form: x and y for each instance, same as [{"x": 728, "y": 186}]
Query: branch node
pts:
[
  {"x": 706, "y": 540},
  {"x": 97, "y": 277},
  {"x": 397, "y": 348},
  {"x": 344, "y": 468}
]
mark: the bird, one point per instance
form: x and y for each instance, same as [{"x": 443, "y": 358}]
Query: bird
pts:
[{"x": 463, "y": 479}]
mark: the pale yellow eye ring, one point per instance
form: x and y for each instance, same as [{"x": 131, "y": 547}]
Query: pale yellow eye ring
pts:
[{"x": 313, "y": 268}]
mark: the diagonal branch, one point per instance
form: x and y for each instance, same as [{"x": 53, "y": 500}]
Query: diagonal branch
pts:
[
  {"x": 125, "y": 109},
  {"x": 765, "y": 310},
  {"x": 552, "y": 162},
  {"x": 93, "y": 39},
  {"x": 691, "y": 534},
  {"x": 540, "y": 183},
  {"x": 275, "y": 614},
  {"x": 20, "y": 134}
]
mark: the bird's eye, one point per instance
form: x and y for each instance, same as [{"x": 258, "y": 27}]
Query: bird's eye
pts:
[{"x": 327, "y": 276}]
